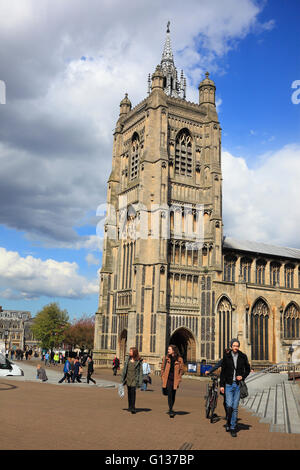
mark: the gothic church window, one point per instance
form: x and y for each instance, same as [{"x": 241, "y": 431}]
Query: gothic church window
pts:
[
  {"x": 245, "y": 270},
  {"x": 291, "y": 319},
  {"x": 229, "y": 268},
  {"x": 260, "y": 331},
  {"x": 135, "y": 156},
  {"x": 183, "y": 154},
  {"x": 260, "y": 272},
  {"x": 225, "y": 324},
  {"x": 289, "y": 276},
  {"x": 274, "y": 273}
]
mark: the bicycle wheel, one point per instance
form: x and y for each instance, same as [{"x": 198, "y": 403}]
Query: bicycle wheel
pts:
[
  {"x": 207, "y": 403},
  {"x": 213, "y": 406}
]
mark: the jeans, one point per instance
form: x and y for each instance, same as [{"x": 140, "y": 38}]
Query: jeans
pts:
[
  {"x": 144, "y": 384},
  {"x": 232, "y": 393}
]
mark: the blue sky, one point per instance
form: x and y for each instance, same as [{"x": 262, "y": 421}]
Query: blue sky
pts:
[{"x": 57, "y": 124}]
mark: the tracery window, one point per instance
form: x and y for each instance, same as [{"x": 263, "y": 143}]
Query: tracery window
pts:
[
  {"x": 291, "y": 319},
  {"x": 135, "y": 156},
  {"x": 289, "y": 276},
  {"x": 274, "y": 273},
  {"x": 229, "y": 268},
  {"x": 183, "y": 154},
  {"x": 260, "y": 271},
  {"x": 260, "y": 331},
  {"x": 245, "y": 270},
  {"x": 225, "y": 324}
]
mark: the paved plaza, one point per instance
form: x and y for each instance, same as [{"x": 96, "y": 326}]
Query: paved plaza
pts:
[{"x": 36, "y": 415}]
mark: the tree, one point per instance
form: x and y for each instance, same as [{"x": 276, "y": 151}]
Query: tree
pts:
[
  {"x": 49, "y": 326},
  {"x": 81, "y": 333}
]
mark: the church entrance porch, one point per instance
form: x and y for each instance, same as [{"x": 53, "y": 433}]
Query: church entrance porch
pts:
[{"x": 185, "y": 341}]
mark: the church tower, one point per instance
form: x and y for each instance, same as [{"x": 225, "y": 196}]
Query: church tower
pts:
[{"x": 162, "y": 246}]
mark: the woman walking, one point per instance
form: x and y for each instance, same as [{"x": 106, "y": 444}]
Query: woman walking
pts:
[
  {"x": 132, "y": 376},
  {"x": 171, "y": 373}
]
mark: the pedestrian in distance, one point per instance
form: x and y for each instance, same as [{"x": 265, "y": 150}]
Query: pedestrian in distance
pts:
[
  {"x": 90, "y": 370},
  {"x": 116, "y": 365},
  {"x": 171, "y": 373},
  {"x": 47, "y": 356},
  {"x": 132, "y": 376},
  {"x": 146, "y": 376},
  {"x": 67, "y": 372},
  {"x": 41, "y": 373},
  {"x": 76, "y": 372},
  {"x": 235, "y": 367},
  {"x": 56, "y": 359},
  {"x": 52, "y": 357}
]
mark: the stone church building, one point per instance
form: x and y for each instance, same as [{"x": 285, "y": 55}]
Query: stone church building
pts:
[{"x": 169, "y": 274}]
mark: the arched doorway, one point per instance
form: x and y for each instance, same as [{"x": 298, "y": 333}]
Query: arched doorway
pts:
[
  {"x": 185, "y": 341},
  {"x": 260, "y": 331},
  {"x": 122, "y": 346}
]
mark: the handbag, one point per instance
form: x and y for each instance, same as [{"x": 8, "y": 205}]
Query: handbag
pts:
[
  {"x": 243, "y": 389},
  {"x": 121, "y": 391},
  {"x": 164, "y": 389}
]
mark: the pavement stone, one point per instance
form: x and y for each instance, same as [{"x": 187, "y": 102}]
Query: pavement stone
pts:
[{"x": 36, "y": 415}]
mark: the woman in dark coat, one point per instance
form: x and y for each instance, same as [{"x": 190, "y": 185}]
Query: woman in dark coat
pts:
[
  {"x": 132, "y": 376},
  {"x": 171, "y": 373}
]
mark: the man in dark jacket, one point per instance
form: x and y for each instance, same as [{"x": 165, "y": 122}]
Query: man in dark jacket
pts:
[
  {"x": 235, "y": 367},
  {"x": 90, "y": 370},
  {"x": 76, "y": 372}
]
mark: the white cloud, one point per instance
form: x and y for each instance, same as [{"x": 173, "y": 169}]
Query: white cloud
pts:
[
  {"x": 56, "y": 128},
  {"x": 30, "y": 278},
  {"x": 262, "y": 203},
  {"x": 91, "y": 259}
]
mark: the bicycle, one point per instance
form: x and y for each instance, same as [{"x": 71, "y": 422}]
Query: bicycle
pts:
[{"x": 211, "y": 398}]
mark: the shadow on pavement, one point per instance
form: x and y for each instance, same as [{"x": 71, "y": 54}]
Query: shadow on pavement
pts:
[
  {"x": 243, "y": 427},
  {"x": 8, "y": 387}
]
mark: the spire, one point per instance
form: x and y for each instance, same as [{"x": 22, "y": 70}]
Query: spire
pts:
[
  {"x": 172, "y": 86},
  {"x": 167, "y": 55}
]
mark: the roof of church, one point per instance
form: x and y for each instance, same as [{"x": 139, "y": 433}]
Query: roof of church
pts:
[{"x": 263, "y": 248}]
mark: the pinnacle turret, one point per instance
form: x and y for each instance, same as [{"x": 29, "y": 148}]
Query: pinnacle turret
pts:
[{"x": 172, "y": 86}]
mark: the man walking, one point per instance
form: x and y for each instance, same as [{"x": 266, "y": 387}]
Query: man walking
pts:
[
  {"x": 146, "y": 376},
  {"x": 235, "y": 367},
  {"x": 76, "y": 372},
  {"x": 90, "y": 370},
  {"x": 116, "y": 365},
  {"x": 67, "y": 372},
  {"x": 46, "y": 358}
]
